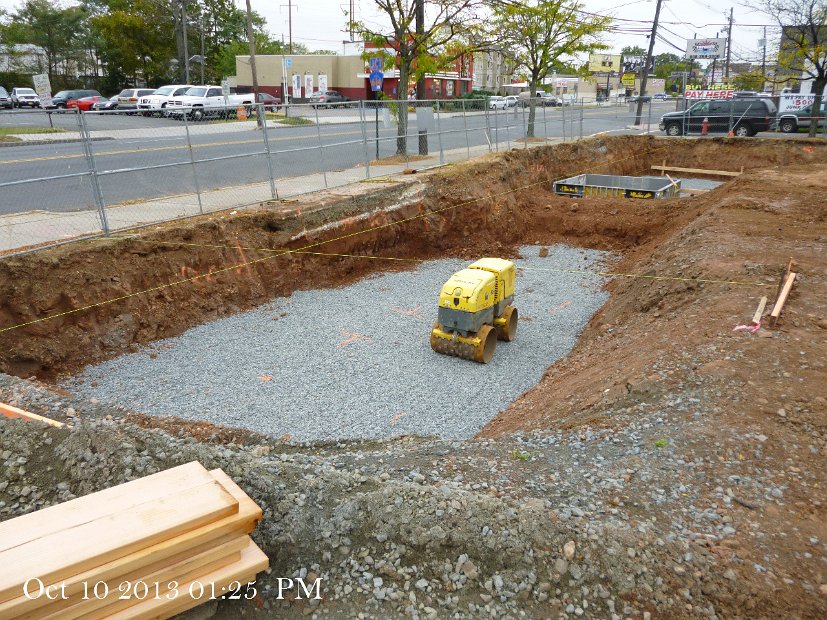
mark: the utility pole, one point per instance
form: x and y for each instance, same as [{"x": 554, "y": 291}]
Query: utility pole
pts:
[
  {"x": 203, "y": 58},
  {"x": 647, "y": 62},
  {"x": 420, "y": 83},
  {"x": 353, "y": 18},
  {"x": 714, "y": 60},
  {"x": 186, "y": 51},
  {"x": 252, "y": 42},
  {"x": 764, "y": 58},
  {"x": 728, "y": 46},
  {"x": 289, "y": 6}
]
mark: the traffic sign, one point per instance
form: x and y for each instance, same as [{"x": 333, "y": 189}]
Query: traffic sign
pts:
[
  {"x": 376, "y": 78},
  {"x": 376, "y": 64},
  {"x": 289, "y": 62}
]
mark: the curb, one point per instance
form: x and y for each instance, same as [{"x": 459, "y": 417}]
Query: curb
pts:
[{"x": 36, "y": 142}]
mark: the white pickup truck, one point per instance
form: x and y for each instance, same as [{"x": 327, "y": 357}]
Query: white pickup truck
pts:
[{"x": 202, "y": 101}]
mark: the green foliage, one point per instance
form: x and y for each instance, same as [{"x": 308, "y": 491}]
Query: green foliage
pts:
[
  {"x": 541, "y": 34},
  {"x": 661, "y": 443},
  {"x": 752, "y": 80},
  {"x": 520, "y": 455},
  {"x": 633, "y": 50}
]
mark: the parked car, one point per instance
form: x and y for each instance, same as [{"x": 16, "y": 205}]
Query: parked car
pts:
[
  {"x": 268, "y": 100},
  {"x": 511, "y": 101},
  {"x": 325, "y": 98},
  {"x": 84, "y": 104},
  {"x": 496, "y": 103},
  {"x": 128, "y": 98},
  {"x": 661, "y": 96},
  {"x": 5, "y": 99},
  {"x": 792, "y": 121},
  {"x": 24, "y": 97},
  {"x": 748, "y": 117},
  {"x": 106, "y": 104},
  {"x": 541, "y": 97},
  {"x": 64, "y": 96},
  {"x": 643, "y": 98},
  {"x": 157, "y": 102}
]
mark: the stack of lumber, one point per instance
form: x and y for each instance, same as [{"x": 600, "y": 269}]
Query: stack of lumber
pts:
[{"x": 150, "y": 548}]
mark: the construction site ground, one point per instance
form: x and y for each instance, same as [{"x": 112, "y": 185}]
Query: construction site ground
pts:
[{"x": 667, "y": 467}]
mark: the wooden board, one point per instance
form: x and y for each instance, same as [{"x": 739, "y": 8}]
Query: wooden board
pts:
[
  {"x": 782, "y": 298},
  {"x": 193, "y": 542},
  {"x": 13, "y": 412},
  {"x": 188, "y": 567},
  {"x": 71, "y": 514},
  {"x": 720, "y": 173},
  {"x": 759, "y": 312},
  {"x": 105, "y": 539},
  {"x": 252, "y": 562}
]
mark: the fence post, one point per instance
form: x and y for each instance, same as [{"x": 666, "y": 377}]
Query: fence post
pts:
[
  {"x": 262, "y": 116},
  {"x": 363, "y": 123},
  {"x": 525, "y": 127},
  {"x": 321, "y": 149},
  {"x": 439, "y": 134},
  {"x": 649, "y": 119},
  {"x": 465, "y": 124},
  {"x": 488, "y": 125},
  {"x": 582, "y": 104},
  {"x": 192, "y": 163},
  {"x": 508, "y": 128},
  {"x": 93, "y": 172},
  {"x": 563, "y": 110}
]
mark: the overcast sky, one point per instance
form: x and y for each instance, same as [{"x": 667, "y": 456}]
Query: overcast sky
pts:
[{"x": 320, "y": 24}]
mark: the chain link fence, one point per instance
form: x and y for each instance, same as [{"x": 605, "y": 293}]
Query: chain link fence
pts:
[{"x": 71, "y": 175}]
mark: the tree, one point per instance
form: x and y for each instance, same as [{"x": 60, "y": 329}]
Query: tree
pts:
[
  {"x": 751, "y": 80},
  {"x": 803, "y": 44},
  {"x": 53, "y": 29},
  {"x": 444, "y": 38},
  {"x": 539, "y": 33}
]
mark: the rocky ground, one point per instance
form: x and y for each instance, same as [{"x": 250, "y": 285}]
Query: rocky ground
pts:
[{"x": 667, "y": 468}]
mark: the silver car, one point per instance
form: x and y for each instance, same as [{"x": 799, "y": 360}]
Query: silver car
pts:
[
  {"x": 24, "y": 97},
  {"x": 496, "y": 103}
]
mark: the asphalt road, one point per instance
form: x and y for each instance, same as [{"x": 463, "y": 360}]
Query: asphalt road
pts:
[{"x": 156, "y": 160}]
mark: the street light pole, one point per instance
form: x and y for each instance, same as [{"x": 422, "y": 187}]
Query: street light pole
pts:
[{"x": 184, "y": 32}]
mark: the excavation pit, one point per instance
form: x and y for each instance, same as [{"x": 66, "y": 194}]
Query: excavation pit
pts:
[{"x": 355, "y": 362}]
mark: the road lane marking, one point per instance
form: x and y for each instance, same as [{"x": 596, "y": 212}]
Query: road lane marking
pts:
[{"x": 166, "y": 148}]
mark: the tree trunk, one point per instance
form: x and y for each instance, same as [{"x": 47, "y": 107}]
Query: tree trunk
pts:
[
  {"x": 532, "y": 107},
  {"x": 818, "y": 89},
  {"x": 402, "y": 111}
]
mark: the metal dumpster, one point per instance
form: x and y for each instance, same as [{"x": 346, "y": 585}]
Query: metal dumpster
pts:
[{"x": 617, "y": 186}]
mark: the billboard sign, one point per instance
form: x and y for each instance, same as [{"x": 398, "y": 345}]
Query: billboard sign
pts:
[
  {"x": 706, "y": 48},
  {"x": 297, "y": 86},
  {"x": 308, "y": 84},
  {"x": 628, "y": 80},
  {"x": 322, "y": 82},
  {"x": 604, "y": 63},
  {"x": 716, "y": 91}
]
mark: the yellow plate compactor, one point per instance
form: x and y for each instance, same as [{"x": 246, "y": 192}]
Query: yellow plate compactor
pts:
[{"x": 475, "y": 310}]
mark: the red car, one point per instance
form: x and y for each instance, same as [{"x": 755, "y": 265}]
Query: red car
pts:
[{"x": 85, "y": 104}]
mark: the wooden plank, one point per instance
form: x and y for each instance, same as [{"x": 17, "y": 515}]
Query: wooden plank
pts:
[
  {"x": 756, "y": 318},
  {"x": 253, "y": 561},
  {"x": 71, "y": 514},
  {"x": 186, "y": 568},
  {"x": 721, "y": 173},
  {"x": 14, "y": 412},
  {"x": 60, "y": 555},
  {"x": 782, "y": 298},
  {"x": 243, "y": 522}
]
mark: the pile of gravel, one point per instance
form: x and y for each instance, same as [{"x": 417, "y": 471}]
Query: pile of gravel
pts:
[{"x": 355, "y": 362}]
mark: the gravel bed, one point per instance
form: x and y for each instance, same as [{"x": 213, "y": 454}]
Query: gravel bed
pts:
[
  {"x": 688, "y": 184},
  {"x": 355, "y": 362}
]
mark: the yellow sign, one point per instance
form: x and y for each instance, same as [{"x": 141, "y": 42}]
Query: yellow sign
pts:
[
  {"x": 628, "y": 79},
  {"x": 602, "y": 63}
]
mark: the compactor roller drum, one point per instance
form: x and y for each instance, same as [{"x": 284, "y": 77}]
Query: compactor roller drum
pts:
[{"x": 475, "y": 310}]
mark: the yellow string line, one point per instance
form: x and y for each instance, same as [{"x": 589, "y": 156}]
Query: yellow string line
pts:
[{"x": 161, "y": 287}]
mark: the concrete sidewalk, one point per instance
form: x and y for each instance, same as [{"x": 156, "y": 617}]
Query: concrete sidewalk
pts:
[{"x": 32, "y": 228}]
